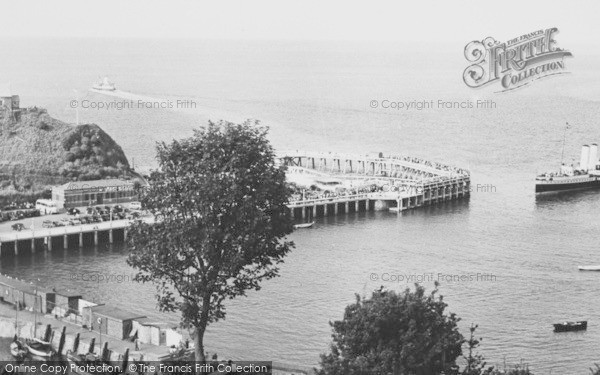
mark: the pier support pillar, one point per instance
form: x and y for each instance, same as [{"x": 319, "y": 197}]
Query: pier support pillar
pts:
[
  {"x": 346, "y": 207},
  {"x": 125, "y": 358},
  {"x": 48, "y": 243},
  {"x": 325, "y": 209},
  {"x": 110, "y": 236},
  {"x": 96, "y": 237},
  {"x": 303, "y": 213},
  {"x": 33, "y": 245},
  {"x": 335, "y": 208},
  {"x": 48, "y": 333},
  {"x": 314, "y": 212},
  {"x": 356, "y": 206},
  {"x": 292, "y": 212},
  {"x": 80, "y": 239},
  {"x": 61, "y": 342},
  {"x": 124, "y": 234},
  {"x": 76, "y": 344},
  {"x": 367, "y": 205},
  {"x": 104, "y": 352},
  {"x": 16, "y": 247},
  {"x": 65, "y": 241}
]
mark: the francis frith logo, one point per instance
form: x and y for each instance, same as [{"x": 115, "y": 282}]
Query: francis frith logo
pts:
[{"x": 514, "y": 63}]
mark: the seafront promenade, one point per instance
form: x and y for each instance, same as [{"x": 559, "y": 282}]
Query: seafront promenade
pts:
[
  {"x": 335, "y": 184},
  {"x": 34, "y": 237}
]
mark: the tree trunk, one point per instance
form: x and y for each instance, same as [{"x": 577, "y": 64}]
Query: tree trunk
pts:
[{"x": 199, "y": 345}]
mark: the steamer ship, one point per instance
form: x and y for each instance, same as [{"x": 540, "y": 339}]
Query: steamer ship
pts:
[{"x": 586, "y": 176}]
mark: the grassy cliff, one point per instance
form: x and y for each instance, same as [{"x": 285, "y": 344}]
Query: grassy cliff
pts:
[{"x": 38, "y": 151}]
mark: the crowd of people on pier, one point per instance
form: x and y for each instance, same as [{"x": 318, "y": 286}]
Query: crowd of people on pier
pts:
[
  {"x": 432, "y": 164},
  {"x": 312, "y": 193}
]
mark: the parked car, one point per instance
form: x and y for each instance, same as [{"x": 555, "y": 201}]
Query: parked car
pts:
[
  {"x": 58, "y": 224},
  {"x": 73, "y": 211},
  {"x": 65, "y": 222},
  {"x": 135, "y": 205},
  {"x": 18, "y": 226},
  {"x": 48, "y": 224},
  {"x": 75, "y": 222},
  {"x": 105, "y": 217}
]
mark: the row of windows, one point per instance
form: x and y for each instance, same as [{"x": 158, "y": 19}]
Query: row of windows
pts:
[{"x": 94, "y": 196}]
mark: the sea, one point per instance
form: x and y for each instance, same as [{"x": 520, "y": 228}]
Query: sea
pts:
[{"x": 519, "y": 252}]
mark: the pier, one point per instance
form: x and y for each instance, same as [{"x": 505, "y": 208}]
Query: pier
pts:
[
  {"x": 364, "y": 183},
  {"x": 64, "y": 237},
  {"x": 373, "y": 183}
]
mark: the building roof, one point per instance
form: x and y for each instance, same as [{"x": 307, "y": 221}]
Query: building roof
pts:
[
  {"x": 67, "y": 293},
  {"x": 5, "y": 91},
  {"x": 153, "y": 323},
  {"x": 115, "y": 313},
  {"x": 77, "y": 185},
  {"x": 22, "y": 285}
]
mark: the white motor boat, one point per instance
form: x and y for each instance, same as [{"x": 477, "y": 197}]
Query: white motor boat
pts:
[{"x": 104, "y": 84}]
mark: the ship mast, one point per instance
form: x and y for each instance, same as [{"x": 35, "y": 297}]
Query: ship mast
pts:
[{"x": 563, "y": 146}]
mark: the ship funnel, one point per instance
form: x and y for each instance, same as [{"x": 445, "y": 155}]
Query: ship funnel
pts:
[
  {"x": 593, "y": 160},
  {"x": 585, "y": 157}
]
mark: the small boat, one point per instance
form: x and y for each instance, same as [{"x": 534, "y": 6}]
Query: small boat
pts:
[
  {"x": 40, "y": 348},
  {"x": 82, "y": 359},
  {"x": 18, "y": 349},
  {"x": 589, "y": 268},
  {"x": 104, "y": 84},
  {"x": 571, "y": 326},
  {"x": 304, "y": 225}
]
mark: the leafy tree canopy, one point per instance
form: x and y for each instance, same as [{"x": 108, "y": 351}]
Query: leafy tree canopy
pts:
[
  {"x": 394, "y": 333},
  {"x": 221, "y": 219}
]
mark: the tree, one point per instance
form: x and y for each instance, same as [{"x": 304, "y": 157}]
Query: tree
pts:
[
  {"x": 220, "y": 203},
  {"x": 394, "y": 333},
  {"x": 476, "y": 364}
]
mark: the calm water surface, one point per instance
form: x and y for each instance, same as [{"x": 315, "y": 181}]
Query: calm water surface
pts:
[{"x": 316, "y": 97}]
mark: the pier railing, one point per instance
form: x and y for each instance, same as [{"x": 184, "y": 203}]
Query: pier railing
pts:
[
  {"x": 28, "y": 233},
  {"x": 336, "y": 199}
]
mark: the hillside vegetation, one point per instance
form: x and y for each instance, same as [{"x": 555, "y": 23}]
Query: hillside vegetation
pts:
[{"x": 38, "y": 151}]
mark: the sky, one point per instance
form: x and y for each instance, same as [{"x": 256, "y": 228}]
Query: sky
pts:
[{"x": 405, "y": 21}]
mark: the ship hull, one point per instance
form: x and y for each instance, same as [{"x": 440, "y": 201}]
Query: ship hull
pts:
[{"x": 550, "y": 187}]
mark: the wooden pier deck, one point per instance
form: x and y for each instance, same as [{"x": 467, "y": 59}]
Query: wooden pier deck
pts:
[{"x": 398, "y": 183}]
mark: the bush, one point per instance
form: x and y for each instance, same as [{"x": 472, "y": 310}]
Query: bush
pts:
[{"x": 406, "y": 333}]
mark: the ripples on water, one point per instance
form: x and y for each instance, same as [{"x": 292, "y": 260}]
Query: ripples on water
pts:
[{"x": 316, "y": 97}]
